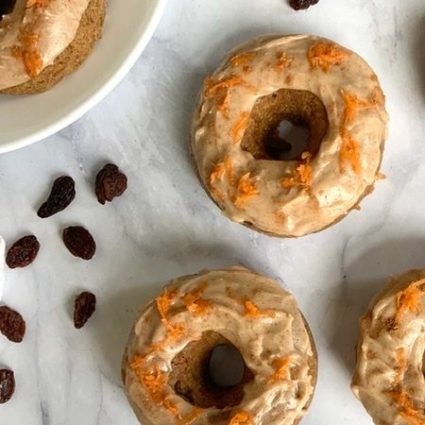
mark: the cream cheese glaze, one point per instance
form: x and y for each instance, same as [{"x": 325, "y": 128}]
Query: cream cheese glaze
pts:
[
  {"x": 389, "y": 376},
  {"x": 52, "y": 23},
  {"x": 260, "y": 68},
  {"x": 256, "y": 315}
]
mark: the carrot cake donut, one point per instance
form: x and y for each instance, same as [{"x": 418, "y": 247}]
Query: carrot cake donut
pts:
[
  {"x": 310, "y": 82},
  {"x": 167, "y": 363},
  {"x": 42, "y": 41},
  {"x": 389, "y": 376}
]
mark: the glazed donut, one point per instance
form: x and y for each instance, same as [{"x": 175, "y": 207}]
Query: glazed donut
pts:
[
  {"x": 389, "y": 375},
  {"x": 308, "y": 81},
  {"x": 166, "y": 363},
  {"x": 41, "y": 41}
]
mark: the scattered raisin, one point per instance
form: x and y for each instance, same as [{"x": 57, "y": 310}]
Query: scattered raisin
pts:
[
  {"x": 23, "y": 252},
  {"x": 7, "y": 385},
  {"x": 84, "y": 307},
  {"x": 61, "y": 195},
  {"x": 110, "y": 183},
  {"x": 302, "y": 4},
  {"x": 12, "y": 325},
  {"x": 79, "y": 242}
]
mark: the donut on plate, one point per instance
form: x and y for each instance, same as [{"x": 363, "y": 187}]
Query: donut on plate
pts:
[
  {"x": 389, "y": 375},
  {"x": 42, "y": 41},
  {"x": 239, "y": 152},
  {"x": 166, "y": 366}
]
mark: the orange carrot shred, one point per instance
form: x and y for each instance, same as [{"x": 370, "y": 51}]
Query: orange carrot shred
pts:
[
  {"x": 350, "y": 152},
  {"x": 281, "y": 369},
  {"x": 325, "y": 55},
  {"x": 242, "y": 418},
  {"x": 246, "y": 190},
  {"x": 239, "y": 127}
]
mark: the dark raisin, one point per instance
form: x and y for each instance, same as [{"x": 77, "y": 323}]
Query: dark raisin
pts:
[
  {"x": 79, "y": 242},
  {"x": 12, "y": 325},
  {"x": 84, "y": 307},
  {"x": 7, "y": 385},
  {"x": 302, "y": 4},
  {"x": 61, "y": 195},
  {"x": 110, "y": 183},
  {"x": 22, "y": 252}
]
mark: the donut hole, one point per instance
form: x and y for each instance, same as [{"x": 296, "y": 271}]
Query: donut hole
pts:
[
  {"x": 210, "y": 372},
  {"x": 285, "y": 124},
  {"x": 6, "y": 7},
  {"x": 289, "y": 142}
]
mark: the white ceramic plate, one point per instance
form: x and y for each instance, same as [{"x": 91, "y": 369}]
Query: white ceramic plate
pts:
[{"x": 128, "y": 28}]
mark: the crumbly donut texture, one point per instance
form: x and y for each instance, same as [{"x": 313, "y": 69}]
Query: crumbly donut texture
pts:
[
  {"x": 389, "y": 375},
  {"x": 193, "y": 314},
  {"x": 292, "y": 78},
  {"x": 32, "y": 59}
]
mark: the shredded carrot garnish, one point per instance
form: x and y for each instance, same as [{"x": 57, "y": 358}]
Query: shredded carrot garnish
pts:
[
  {"x": 406, "y": 407},
  {"x": 222, "y": 169},
  {"x": 352, "y": 105},
  {"x": 217, "y": 173},
  {"x": 163, "y": 304},
  {"x": 252, "y": 310},
  {"x": 325, "y": 55},
  {"x": 242, "y": 59},
  {"x": 194, "y": 303},
  {"x": 28, "y": 52},
  {"x": 350, "y": 152},
  {"x": 246, "y": 190},
  {"x": 302, "y": 175},
  {"x": 171, "y": 407},
  {"x": 281, "y": 369},
  {"x": 154, "y": 381},
  {"x": 407, "y": 300},
  {"x": 283, "y": 61},
  {"x": 242, "y": 418},
  {"x": 164, "y": 301},
  {"x": 223, "y": 104},
  {"x": 239, "y": 127},
  {"x": 213, "y": 87}
]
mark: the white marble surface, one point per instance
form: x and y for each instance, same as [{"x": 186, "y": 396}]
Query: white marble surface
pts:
[{"x": 166, "y": 226}]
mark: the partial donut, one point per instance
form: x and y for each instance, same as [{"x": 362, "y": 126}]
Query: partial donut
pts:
[
  {"x": 389, "y": 375},
  {"x": 243, "y": 161},
  {"x": 173, "y": 347},
  {"x": 42, "y": 41}
]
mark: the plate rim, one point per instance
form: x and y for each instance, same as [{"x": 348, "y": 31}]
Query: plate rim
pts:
[{"x": 97, "y": 96}]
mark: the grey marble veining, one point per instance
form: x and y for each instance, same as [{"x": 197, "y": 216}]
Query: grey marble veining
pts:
[{"x": 166, "y": 226}]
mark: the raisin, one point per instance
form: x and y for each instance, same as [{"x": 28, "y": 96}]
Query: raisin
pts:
[
  {"x": 23, "y": 252},
  {"x": 110, "y": 183},
  {"x": 79, "y": 242},
  {"x": 84, "y": 307},
  {"x": 12, "y": 325},
  {"x": 61, "y": 195},
  {"x": 7, "y": 385},
  {"x": 302, "y": 4}
]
